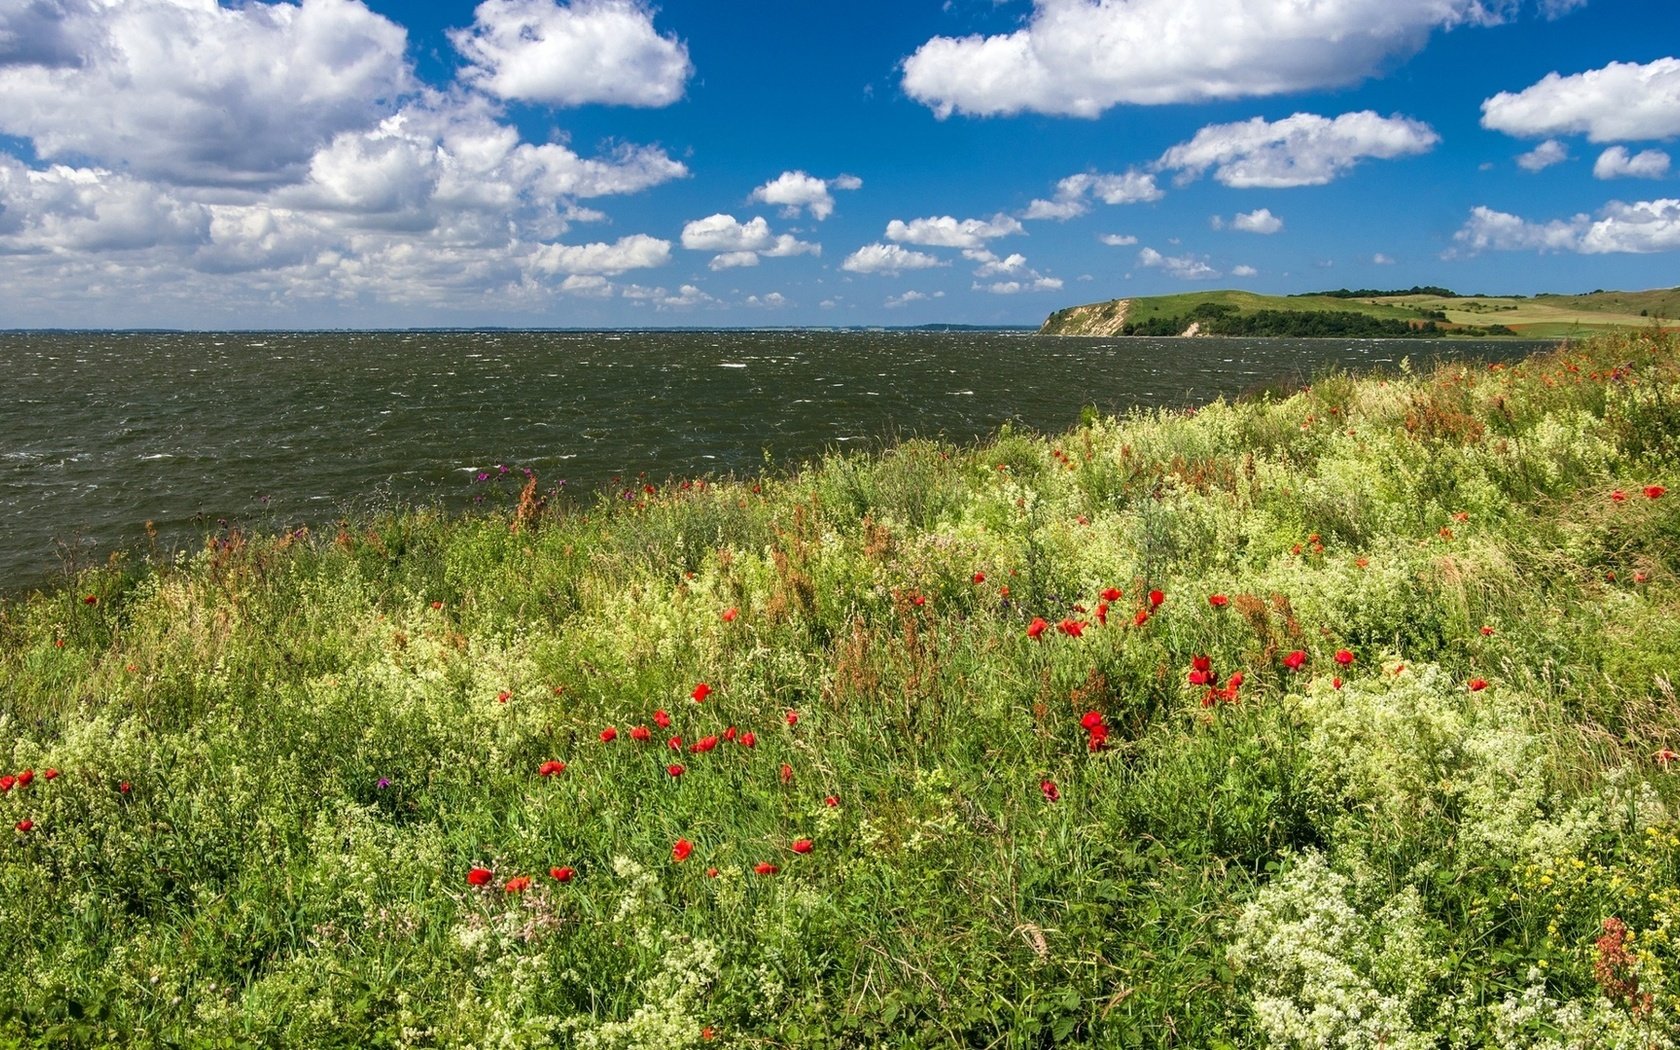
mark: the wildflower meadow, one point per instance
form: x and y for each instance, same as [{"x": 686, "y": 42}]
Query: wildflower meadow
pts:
[{"x": 1336, "y": 717}]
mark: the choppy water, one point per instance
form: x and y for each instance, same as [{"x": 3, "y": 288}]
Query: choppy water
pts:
[{"x": 101, "y": 432}]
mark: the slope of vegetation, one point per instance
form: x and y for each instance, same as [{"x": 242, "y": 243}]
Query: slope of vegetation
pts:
[{"x": 1344, "y": 719}]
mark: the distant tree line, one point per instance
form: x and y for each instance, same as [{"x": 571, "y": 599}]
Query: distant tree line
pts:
[
  {"x": 1220, "y": 319},
  {"x": 1375, "y": 293}
]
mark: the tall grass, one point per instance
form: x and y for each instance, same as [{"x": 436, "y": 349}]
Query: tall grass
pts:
[{"x": 276, "y": 764}]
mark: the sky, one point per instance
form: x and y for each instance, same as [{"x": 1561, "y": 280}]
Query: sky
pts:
[{"x": 607, "y": 163}]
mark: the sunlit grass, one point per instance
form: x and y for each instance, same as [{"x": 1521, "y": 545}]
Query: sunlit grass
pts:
[{"x": 307, "y": 790}]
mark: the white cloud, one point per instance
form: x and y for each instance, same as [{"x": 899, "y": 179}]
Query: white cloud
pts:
[
  {"x": 945, "y": 231},
  {"x": 1127, "y": 187},
  {"x": 794, "y": 190},
  {"x": 887, "y": 259},
  {"x": 1244, "y": 271},
  {"x": 1640, "y": 227},
  {"x": 1185, "y": 267},
  {"x": 1616, "y": 162},
  {"x": 1079, "y": 57},
  {"x": 587, "y": 286},
  {"x": 895, "y": 301},
  {"x": 1543, "y": 156},
  {"x": 1380, "y": 259},
  {"x": 736, "y": 241},
  {"x": 1035, "y": 284},
  {"x": 772, "y": 301},
  {"x": 1300, "y": 150},
  {"x": 635, "y": 252},
  {"x": 590, "y": 51},
  {"x": 992, "y": 266},
  {"x": 1623, "y": 101},
  {"x": 1022, "y": 278},
  {"x": 1261, "y": 220},
  {"x": 193, "y": 92},
  {"x": 1118, "y": 240},
  {"x": 688, "y": 295}
]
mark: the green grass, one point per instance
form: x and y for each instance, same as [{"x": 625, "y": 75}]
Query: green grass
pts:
[
  {"x": 1537, "y": 317},
  {"x": 278, "y": 761}
]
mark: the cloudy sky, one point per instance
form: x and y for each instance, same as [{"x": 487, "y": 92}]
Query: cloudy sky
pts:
[{"x": 332, "y": 163}]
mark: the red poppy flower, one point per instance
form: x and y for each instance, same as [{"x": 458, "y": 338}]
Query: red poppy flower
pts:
[
  {"x": 1036, "y": 628},
  {"x": 517, "y": 884},
  {"x": 661, "y": 719},
  {"x": 1091, "y": 720},
  {"x": 801, "y": 846},
  {"x": 502, "y": 697},
  {"x": 7, "y": 781},
  {"x": 730, "y": 614},
  {"x": 1200, "y": 677},
  {"x": 748, "y": 740},
  {"x": 641, "y": 734},
  {"x": 1071, "y": 628},
  {"x": 1218, "y": 601},
  {"x": 1654, "y": 491},
  {"x": 1110, "y": 594},
  {"x": 1335, "y": 683},
  {"x": 708, "y": 1033},
  {"x": 608, "y": 735},
  {"x": 729, "y": 734},
  {"x": 793, "y": 718},
  {"x": 1487, "y": 632},
  {"x": 1102, "y": 613},
  {"x": 1618, "y": 496},
  {"x": 122, "y": 788},
  {"x": 93, "y": 599},
  {"x": 766, "y": 868},
  {"x": 551, "y": 767},
  {"x": 1344, "y": 657},
  {"x": 1098, "y": 736},
  {"x": 561, "y": 874},
  {"x": 1203, "y": 663},
  {"x": 675, "y": 769},
  {"x": 700, "y": 693},
  {"x": 704, "y": 744},
  {"x": 1141, "y": 618},
  {"x": 711, "y": 873},
  {"x": 437, "y": 605},
  {"x": 480, "y": 877},
  {"x": 1003, "y": 592},
  {"x": 681, "y": 850},
  {"x": 1295, "y": 659},
  {"x": 1235, "y": 681},
  {"x": 1051, "y": 792},
  {"x": 787, "y": 773},
  {"x": 50, "y": 773},
  {"x": 979, "y": 577},
  {"x": 1478, "y": 684},
  {"x": 25, "y": 778},
  {"x": 26, "y": 825},
  {"x": 1665, "y": 756},
  {"x": 919, "y": 600},
  {"x": 1155, "y": 599},
  {"x": 832, "y": 800},
  {"x": 675, "y": 743}
]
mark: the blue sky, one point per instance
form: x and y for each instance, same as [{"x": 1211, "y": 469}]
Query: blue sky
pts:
[{"x": 346, "y": 163}]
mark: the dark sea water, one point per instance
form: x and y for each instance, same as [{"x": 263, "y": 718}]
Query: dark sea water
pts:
[{"x": 102, "y": 432}]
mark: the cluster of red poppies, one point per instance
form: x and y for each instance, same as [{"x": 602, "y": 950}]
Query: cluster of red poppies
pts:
[
  {"x": 19, "y": 782},
  {"x": 1076, "y": 628}
]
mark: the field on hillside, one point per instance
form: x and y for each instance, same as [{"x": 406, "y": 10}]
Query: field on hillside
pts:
[
  {"x": 1547, "y": 316},
  {"x": 1344, "y": 719}
]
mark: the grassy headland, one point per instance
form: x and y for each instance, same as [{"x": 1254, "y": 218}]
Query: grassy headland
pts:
[
  {"x": 1371, "y": 313},
  {"x": 1366, "y": 744}
]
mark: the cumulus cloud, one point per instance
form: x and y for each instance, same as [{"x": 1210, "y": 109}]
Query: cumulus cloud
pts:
[
  {"x": 1543, "y": 156},
  {"x": 1300, "y": 150},
  {"x": 1261, "y": 220},
  {"x": 1184, "y": 267},
  {"x": 1118, "y": 240},
  {"x": 1616, "y": 162},
  {"x": 1244, "y": 271},
  {"x": 635, "y": 252},
  {"x": 741, "y": 243},
  {"x": 1624, "y": 101},
  {"x": 895, "y": 301},
  {"x": 1080, "y": 57},
  {"x": 1641, "y": 227},
  {"x": 795, "y": 190},
  {"x": 887, "y": 259},
  {"x": 946, "y": 232},
  {"x": 772, "y": 301},
  {"x": 197, "y": 93},
  {"x": 1073, "y": 193},
  {"x": 1036, "y": 284},
  {"x": 588, "y": 51}
]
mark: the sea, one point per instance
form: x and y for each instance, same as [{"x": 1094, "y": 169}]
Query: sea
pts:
[{"x": 102, "y": 432}]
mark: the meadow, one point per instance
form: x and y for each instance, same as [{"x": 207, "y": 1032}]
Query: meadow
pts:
[{"x": 1335, "y": 717}]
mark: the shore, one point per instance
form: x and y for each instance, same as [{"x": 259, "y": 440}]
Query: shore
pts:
[{"x": 1344, "y": 717}]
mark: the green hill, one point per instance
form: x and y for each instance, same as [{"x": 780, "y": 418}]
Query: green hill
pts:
[{"x": 1368, "y": 313}]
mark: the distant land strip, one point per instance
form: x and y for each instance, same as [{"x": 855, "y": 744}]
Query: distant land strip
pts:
[{"x": 1419, "y": 312}]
